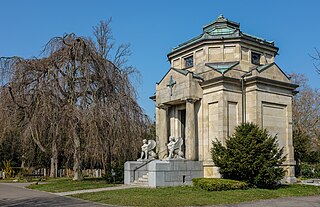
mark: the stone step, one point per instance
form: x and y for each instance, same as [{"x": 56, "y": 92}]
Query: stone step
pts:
[
  {"x": 140, "y": 184},
  {"x": 143, "y": 179}
]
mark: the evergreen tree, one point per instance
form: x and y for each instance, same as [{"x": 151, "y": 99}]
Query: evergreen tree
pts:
[{"x": 251, "y": 154}]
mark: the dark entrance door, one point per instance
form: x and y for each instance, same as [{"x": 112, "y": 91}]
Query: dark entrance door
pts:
[{"x": 182, "y": 114}]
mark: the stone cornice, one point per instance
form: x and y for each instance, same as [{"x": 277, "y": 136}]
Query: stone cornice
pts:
[
  {"x": 257, "y": 79},
  {"x": 202, "y": 42},
  {"x": 220, "y": 80},
  {"x": 249, "y": 81}
]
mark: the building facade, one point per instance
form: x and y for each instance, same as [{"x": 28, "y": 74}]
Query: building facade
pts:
[{"x": 218, "y": 80}]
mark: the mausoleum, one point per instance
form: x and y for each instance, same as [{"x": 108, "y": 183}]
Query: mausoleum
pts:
[{"x": 217, "y": 80}]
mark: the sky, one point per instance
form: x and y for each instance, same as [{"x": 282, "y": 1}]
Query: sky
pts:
[{"x": 154, "y": 27}]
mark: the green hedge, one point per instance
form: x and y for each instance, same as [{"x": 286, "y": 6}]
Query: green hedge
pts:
[
  {"x": 218, "y": 184},
  {"x": 310, "y": 170}
]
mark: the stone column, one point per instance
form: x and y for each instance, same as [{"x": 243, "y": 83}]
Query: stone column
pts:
[
  {"x": 190, "y": 131},
  {"x": 162, "y": 133}
]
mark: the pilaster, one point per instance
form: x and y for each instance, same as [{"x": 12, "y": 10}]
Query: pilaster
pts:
[
  {"x": 190, "y": 130},
  {"x": 162, "y": 132}
]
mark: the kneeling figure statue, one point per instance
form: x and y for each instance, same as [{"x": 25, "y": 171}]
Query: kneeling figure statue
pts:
[
  {"x": 175, "y": 148},
  {"x": 147, "y": 150}
]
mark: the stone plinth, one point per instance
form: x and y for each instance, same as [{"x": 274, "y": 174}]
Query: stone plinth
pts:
[
  {"x": 164, "y": 172},
  {"x": 133, "y": 170}
]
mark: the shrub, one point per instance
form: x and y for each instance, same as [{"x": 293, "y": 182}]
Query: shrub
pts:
[
  {"x": 310, "y": 170},
  {"x": 118, "y": 177},
  {"x": 8, "y": 170},
  {"x": 218, "y": 184},
  {"x": 250, "y": 155}
]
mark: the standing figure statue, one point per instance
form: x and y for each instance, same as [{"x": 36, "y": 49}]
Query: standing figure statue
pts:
[
  {"x": 175, "y": 148},
  {"x": 147, "y": 150}
]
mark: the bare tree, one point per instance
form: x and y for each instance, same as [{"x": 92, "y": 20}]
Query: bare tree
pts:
[
  {"x": 306, "y": 114},
  {"x": 76, "y": 98},
  {"x": 316, "y": 60},
  {"x": 306, "y": 107}
]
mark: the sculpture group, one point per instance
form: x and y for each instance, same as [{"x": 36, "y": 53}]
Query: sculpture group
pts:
[
  {"x": 174, "y": 147},
  {"x": 147, "y": 148}
]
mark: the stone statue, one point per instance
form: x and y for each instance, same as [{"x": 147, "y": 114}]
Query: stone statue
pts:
[
  {"x": 175, "y": 148},
  {"x": 147, "y": 150}
]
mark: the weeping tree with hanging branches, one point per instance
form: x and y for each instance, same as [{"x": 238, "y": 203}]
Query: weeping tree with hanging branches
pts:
[{"x": 77, "y": 101}]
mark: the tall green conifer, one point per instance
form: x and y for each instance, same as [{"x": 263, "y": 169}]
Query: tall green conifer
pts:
[{"x": 252, "y": 155}]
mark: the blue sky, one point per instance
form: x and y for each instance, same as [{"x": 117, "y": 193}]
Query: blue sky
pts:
[{"x": 154, "y": 27}]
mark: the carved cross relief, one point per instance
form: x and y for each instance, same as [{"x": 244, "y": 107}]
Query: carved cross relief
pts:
[{"x": 171, "y": 84}]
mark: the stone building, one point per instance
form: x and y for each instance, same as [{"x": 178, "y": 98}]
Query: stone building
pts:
[{"x": 217, "y": 80}]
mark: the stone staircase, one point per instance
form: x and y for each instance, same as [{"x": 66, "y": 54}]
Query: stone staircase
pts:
[{"x": 142, "y": 181}]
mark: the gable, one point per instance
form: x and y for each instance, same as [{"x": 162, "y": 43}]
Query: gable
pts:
[
  {"x": 217, "y": 69},
  {"x": 272, "y": 71},
  {"x": 171, "y": 73},
  {"x": 209, "y": 74},
  {"x": 178, "y": 85}
]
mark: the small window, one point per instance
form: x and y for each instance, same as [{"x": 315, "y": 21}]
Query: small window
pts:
[
  {"x": 188, "y": 62},
  {"x": 255, "y": 58}
]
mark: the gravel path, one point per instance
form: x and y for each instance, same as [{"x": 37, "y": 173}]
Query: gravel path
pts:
[
  {"x": 95, "y": 190},
  {"x": 14, "y": 194}
]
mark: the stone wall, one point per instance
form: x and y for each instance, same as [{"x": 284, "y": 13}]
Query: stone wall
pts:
[
  {"x": 174, "y": 172},
  {"x": 164, "y": 172},
  {"x": 222, "y": 52}
]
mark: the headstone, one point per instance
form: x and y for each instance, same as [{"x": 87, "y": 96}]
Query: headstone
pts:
[
  {"x": 98, "y": 173},
  {"x": 61, "y": 173}
]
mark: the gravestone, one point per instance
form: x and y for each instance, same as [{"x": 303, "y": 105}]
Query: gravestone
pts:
[
  {"x": 61, "y": 173},
  {"x": 98, "y": 173},
  {"x": 2, "y": 175}
]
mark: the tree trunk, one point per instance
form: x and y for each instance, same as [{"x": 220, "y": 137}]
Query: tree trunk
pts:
[
  {"x": 54, "y": 160},
  {"x": 108, "y": 160},
  {"x": 76, "y": 158}
]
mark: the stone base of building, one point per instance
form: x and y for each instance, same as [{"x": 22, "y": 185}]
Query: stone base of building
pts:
[
  {"x": 211, "y": 171},
  {"x": 289, "y": 177},
  {"x": 289, "y": 180},
  {"x": 160, "y": 173}
]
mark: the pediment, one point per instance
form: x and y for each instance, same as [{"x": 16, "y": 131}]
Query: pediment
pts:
[
  {"x": 209, "y": 74},
  {"x": 178, "y": 85},
  {"x": 272, "y": 71},
  {"x": 217, "y": 69},
  {"x": 171, "y": 73}
]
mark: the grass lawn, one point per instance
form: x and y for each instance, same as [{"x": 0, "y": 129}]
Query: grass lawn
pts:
[
  {"x": 190, "y": 196},
  {"x": 67, "y": 184}
]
